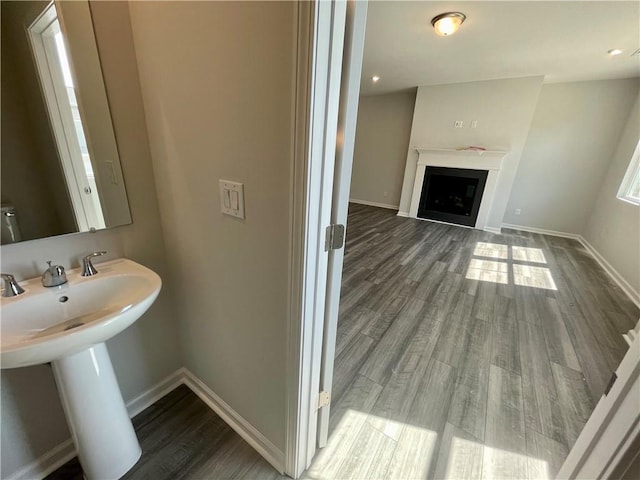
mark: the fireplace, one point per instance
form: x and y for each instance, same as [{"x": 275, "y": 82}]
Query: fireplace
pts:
[
  {"x": 451, "y": 160},
  {"x": 452, "y": 195}
]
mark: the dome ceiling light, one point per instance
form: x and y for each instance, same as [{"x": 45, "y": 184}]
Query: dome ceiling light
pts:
[{"x": 447, "y": 23}]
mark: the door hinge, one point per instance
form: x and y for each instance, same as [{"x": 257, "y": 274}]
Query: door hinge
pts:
[
  {"x": 612, "y": 380},
  {"x": 334, "y": 238},
  {"x": 324, "y": 399}
]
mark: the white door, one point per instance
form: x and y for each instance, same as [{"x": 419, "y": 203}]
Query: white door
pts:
[{"x": 347, "y": 116}]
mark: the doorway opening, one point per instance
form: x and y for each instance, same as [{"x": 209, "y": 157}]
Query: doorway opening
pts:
[
  {"x": 56, "y": 78},
  {"x": 461, "y": 353}
]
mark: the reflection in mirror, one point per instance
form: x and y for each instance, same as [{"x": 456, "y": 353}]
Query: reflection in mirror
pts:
[{"x": 60, "y": 167}]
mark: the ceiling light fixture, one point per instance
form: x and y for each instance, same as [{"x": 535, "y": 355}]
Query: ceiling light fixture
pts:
[
  {"x": 375, "y": 79},
  {"x": 615, "y": 51},
  {"x": 447, "y": 23}
]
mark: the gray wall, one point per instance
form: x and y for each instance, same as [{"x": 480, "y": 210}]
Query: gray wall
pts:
[
  {"x": 31, "y": 416},
  {"x": 614, "y": 226},
  {"x": 575, "y": 131},
  {"x": 382, "y": 140},
  {"x": 504, "y": 110},
  {"x": 217, "y": 82}
]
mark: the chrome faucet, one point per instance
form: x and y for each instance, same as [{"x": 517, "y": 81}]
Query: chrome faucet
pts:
[
  {"x": 54, "y": 276},
  {"x": 11, "y": 287},
  {"x": 87, "y": 267}
]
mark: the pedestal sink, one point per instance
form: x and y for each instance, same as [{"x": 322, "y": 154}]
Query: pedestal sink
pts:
[{"x": 67, "y": 326}]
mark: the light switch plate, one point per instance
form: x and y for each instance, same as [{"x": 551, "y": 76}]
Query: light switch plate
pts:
[{"x": 232, "y": 198}]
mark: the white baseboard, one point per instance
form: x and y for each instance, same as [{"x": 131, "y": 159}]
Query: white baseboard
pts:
[
  {"x": 47, "y": 463},
  {"x": 248, "y": 432},
  {"x": 542, "y": 231},
  {"x": 626, "y": 287},
  {"x": 493, "y": 230},
  {"x": 155, "y": 393},
  {"x": 633, "y": 295},
  {"x": 62, "y": 453},
  {"x": 374, "y": 204},
  {"x": 403, "y": 214}
]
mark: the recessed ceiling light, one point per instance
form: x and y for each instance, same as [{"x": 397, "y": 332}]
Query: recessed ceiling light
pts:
[
  {"x": 615, "y": 51},
  {"x": 375, "y": 78}
]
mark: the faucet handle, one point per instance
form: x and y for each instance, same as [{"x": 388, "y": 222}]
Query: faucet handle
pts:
[
  {"x": 11, "y": 286},
  {"x": 87, "y": 267}
]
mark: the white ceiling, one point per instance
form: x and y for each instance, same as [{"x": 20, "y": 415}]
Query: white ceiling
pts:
[{"x": 563, "y": 40}]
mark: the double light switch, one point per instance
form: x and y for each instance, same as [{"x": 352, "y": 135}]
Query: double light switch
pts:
[{"x": 232, "y": 198}]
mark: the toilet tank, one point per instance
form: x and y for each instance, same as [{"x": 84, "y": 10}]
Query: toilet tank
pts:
[{"x": 10, "y": 228}]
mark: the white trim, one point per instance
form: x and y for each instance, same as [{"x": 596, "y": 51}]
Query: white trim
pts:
[
  {"x": 614, "y": 425},
  {"x": 403, "y": 214},
  {"x": 155, "y": 393},
  {"x": 320, "y": 41},
  {"x": 354, "y": 33},
  {"x": 431, "y": 220},
  {"x": 626, "y": 287},
  {"x": 242, "y": 427},
  {"x": 65, "y": 451},
  {"x": 553, "y": 233},
  {"x": 375, "y": 204},
  {"x": 298, "y": 336},
  {"x": 497, "y": 231},
  {"x": 47, "y": 463},
  {"x": 55, "y": 97},
  {"x": 630, "y": 179}
]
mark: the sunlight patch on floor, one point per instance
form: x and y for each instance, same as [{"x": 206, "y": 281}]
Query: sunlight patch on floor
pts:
[
  {"x": 537, "y": 277},
  {"x": 491, "y": 250},
  {"x": 497, "y": 271},
  {"x": 355, "y": 451},
  {"x": 527, "y": 254},
  {"x": 502, "y": 464},
  {"x": 488, "y": 271}
]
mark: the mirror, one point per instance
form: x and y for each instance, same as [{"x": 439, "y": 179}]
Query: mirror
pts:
[{"x": 60, "y": 166}]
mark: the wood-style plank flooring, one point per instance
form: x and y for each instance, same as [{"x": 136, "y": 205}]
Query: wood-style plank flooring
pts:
[
  {"x": 465, "y": 354},
  {"x": 460, "y": 354},
  {"x": 182, "y": 438}
]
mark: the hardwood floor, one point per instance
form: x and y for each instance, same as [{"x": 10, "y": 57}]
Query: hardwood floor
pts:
[
  {"x": 182, "y": 438},
  {"x": 460, "y": 354},
  {"x": 465, "y": 354}
]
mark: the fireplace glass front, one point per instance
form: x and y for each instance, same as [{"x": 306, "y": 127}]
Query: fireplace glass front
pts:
[{"x": 452, "y": 195}]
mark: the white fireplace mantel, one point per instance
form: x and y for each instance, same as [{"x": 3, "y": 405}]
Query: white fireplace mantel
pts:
[{"x": 490, "y": 160}]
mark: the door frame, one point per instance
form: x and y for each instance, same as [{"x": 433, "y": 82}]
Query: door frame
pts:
[
  {"x": 614, "y": 426},
  {"x": 347, "y": 119},
  {"x": 320, "y": 34}
]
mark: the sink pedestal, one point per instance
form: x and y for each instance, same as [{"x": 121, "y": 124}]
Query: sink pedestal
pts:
[{"x": 102, "y": 432}]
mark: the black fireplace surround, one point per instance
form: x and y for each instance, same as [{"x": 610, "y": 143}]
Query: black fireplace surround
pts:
[{"x": 452, "y": 195}]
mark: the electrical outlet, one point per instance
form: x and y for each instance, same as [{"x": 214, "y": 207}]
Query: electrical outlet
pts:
[
  {"x": 458, "y": 124},
  {"x": 518, "y": 211}
]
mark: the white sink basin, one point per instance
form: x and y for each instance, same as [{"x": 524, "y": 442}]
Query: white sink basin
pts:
[
  {"x": 45, "y": 324},
  {"x": 67, "y": 326}
]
